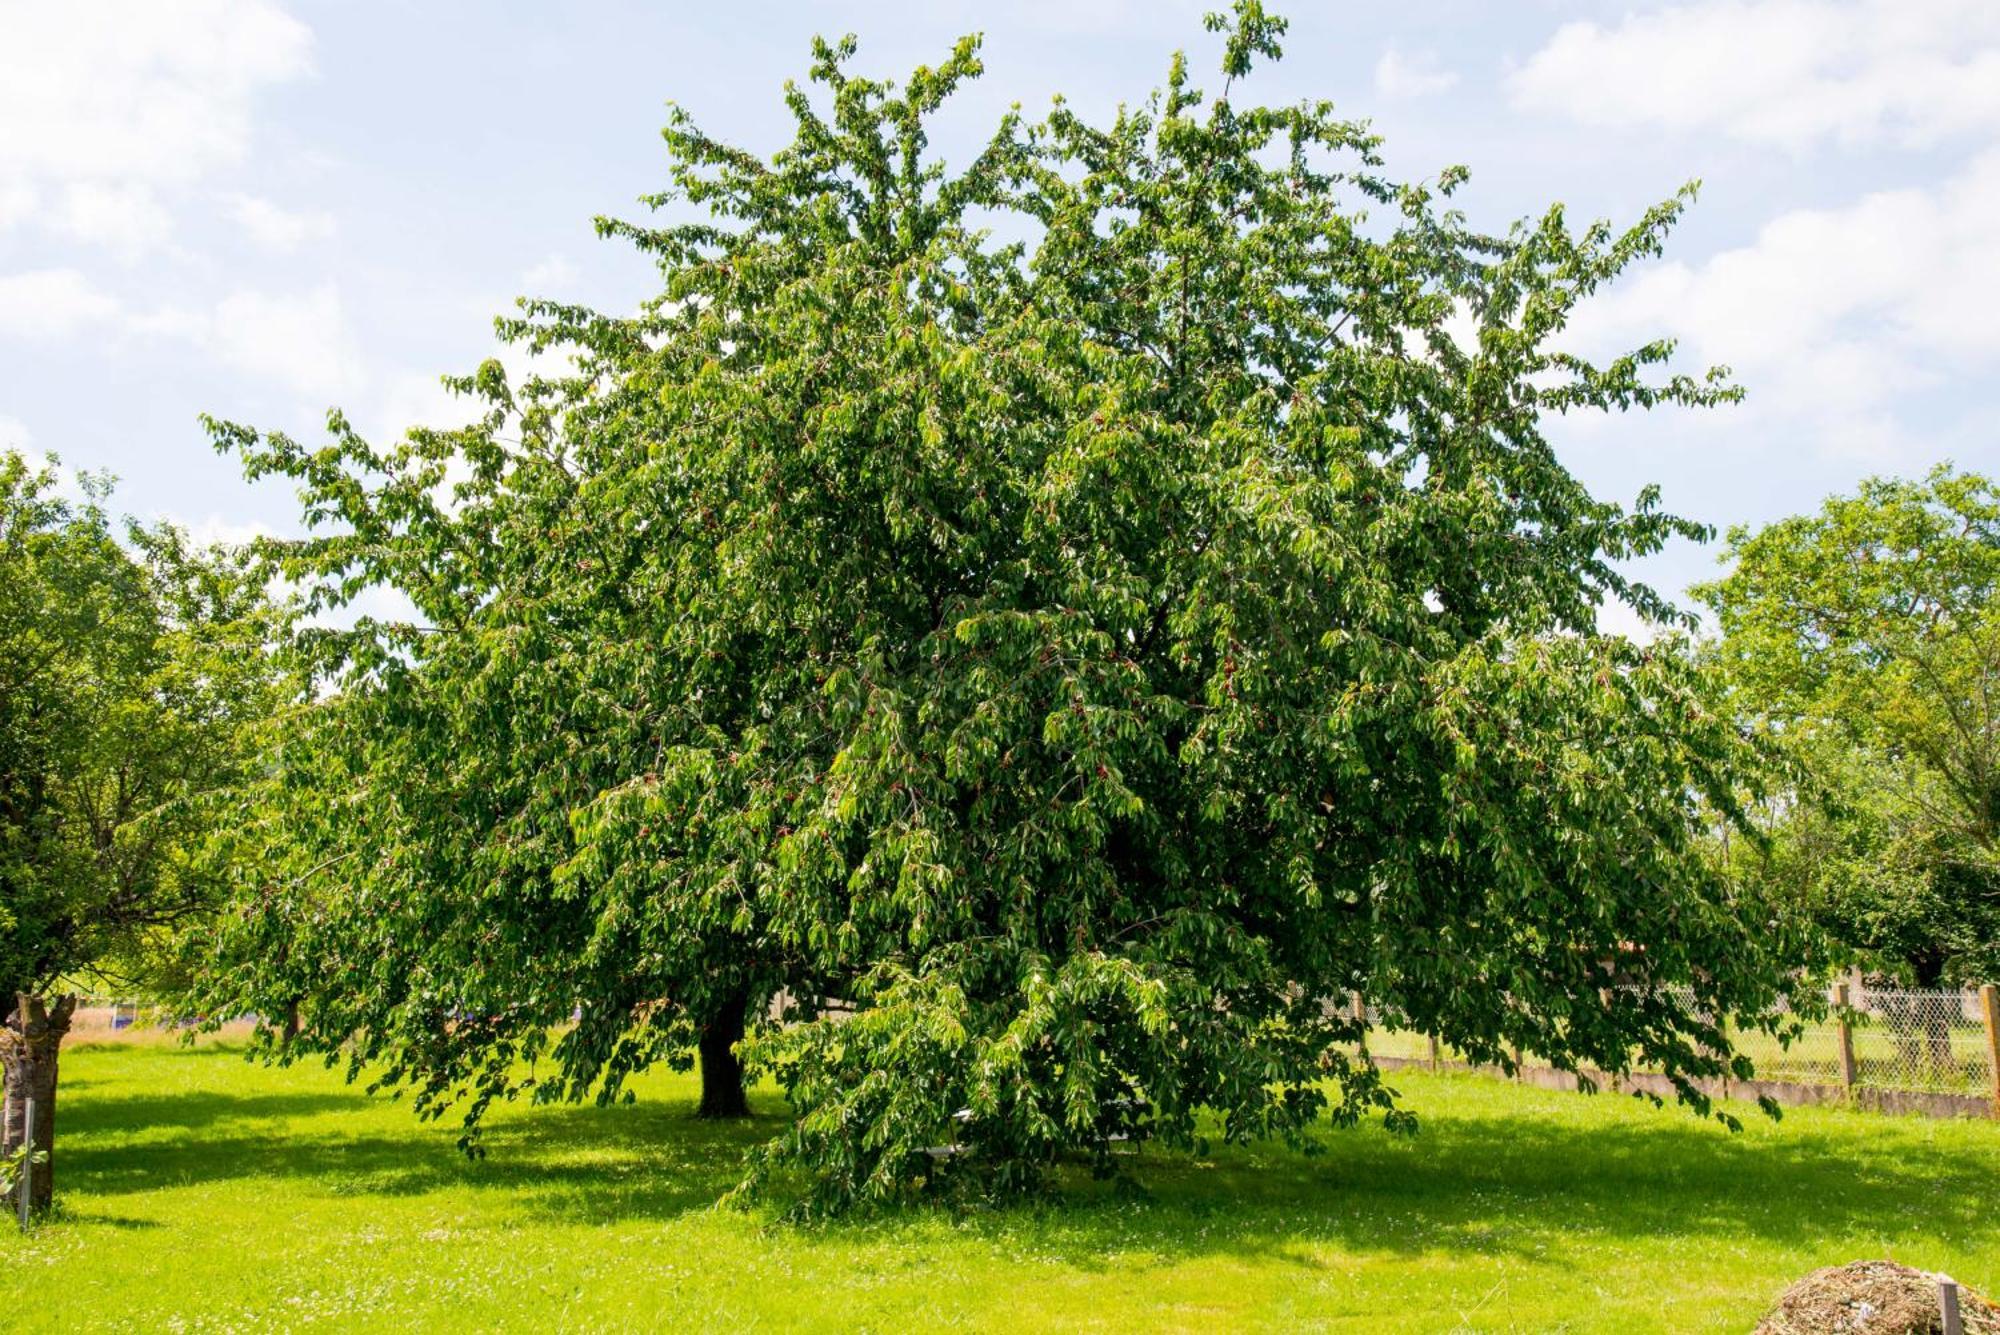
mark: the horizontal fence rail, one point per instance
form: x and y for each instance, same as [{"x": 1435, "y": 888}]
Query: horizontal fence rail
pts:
[{"x": 1898, "y": 1049}]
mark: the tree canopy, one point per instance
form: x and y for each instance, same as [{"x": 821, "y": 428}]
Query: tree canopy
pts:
[
  {"x": 133, "y": 669},
  {"x": 1028, "y": 641},
  {"x": 1867, "y": 637}
]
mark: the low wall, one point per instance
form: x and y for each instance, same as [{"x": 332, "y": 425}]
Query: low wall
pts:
[{"x": 1909, "y": 1101}]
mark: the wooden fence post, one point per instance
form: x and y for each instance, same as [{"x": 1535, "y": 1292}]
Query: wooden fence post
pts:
[
  {"x": 1954, "y": 1321},
  {"x": 1846, "y": 1038},
  {"x": 1989, "y": 1006}
]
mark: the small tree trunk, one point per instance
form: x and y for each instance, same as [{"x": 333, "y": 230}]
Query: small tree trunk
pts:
[
  {"x": 721, "y": 1073},
  {"x": 291, "y": 1026},
  {"x": 1929, "y": 1018},
  {"x": 1903, "y": 1035},
  {"x": 29, "y": 1040},
  {"x": 1937, "y": 1037}
]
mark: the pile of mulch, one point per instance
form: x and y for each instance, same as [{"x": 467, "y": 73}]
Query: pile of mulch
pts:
[{"x": 1873, "y": 1298}]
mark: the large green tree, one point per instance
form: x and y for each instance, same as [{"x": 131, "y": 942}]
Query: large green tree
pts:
[
  {"x": 134, "y": 668},
  {"x": 1867, "y": 637},
  {"x": 1051, "y": 629}
]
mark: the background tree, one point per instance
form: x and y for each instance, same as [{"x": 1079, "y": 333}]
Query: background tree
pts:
[
  {"x": 1867, "y": 637},
  {"x": 130, "y": 674},
  {"x": 1074, "y": 659}
]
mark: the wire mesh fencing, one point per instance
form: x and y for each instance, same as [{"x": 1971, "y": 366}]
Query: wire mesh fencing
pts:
[{"x": 1921, "y": 1042}]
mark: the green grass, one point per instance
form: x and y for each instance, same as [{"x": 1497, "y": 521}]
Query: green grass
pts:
[{"x": 201, "y": 1193}]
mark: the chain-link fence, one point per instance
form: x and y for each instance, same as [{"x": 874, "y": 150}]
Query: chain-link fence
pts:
[
  {"x": 1922, "y": 1040},
  {"x": 1873, "y": 1039}
]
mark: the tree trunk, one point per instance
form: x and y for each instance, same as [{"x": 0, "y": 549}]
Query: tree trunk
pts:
[
  {"x": 721, "y": 1074},
  {"x": 291, "y": 1026},
  {"x": 1902, "y": 1017},
  {"x": 29, "y": 1040},
  {"x": 1944, "y": 1060},
  {"x": 1930, "y": 1017},
  {"x": 1937, "y": 1017}
]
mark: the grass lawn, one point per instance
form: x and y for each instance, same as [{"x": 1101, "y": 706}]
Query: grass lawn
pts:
[{"x": 198, "y": 1192}]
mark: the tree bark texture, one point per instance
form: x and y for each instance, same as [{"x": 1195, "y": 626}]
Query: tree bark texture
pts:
[{"x": 29, "y": 1040}]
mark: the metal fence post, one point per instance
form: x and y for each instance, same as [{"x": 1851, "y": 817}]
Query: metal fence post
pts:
[
  {"x": 24, "y": 1184},
  {"x": 1989, "y": 1006},
  {"x": 1846, "y": 1032}
]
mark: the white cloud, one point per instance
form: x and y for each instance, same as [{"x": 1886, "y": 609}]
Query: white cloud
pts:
[
  {"x": 551, "y": 275},
  {"x": 299, "y": 340},
  {"x": 17, "y": 201},
  {"x": 125, "y": 218},
  {"x": 1784, "y": 72},
  {"x": 105, "y": 104},
  {"x": 1831, "y": 316},
  {"x": 1615, "y": 618},
  {"x": 167, "y": 322},
  {"x": 276, "y": 228},
  {"x": 212, "y": 528},
  {"x": 1398, "y": 75},
  {"x": 135, "y": 90},
  {"x": 51, "y": 303}
]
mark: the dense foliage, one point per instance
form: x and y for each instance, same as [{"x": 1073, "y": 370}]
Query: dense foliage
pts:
[
  {"x": 134, "y": 673},
  {"x": 1055, "y": 671},
  {"x": 1867, "y": 638}
]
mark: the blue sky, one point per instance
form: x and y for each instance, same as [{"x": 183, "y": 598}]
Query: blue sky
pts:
[{"x": 260, "y": 209}]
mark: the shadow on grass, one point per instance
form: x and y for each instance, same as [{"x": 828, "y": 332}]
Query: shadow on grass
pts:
[
  {"x": 1495, "y": 1181},
  {"x": 108, "y": 1115},
  {"x": 97, "y": 1219},
  {"x": 160, "y": 1045},
  {"x": 650, "y": 1159}
]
